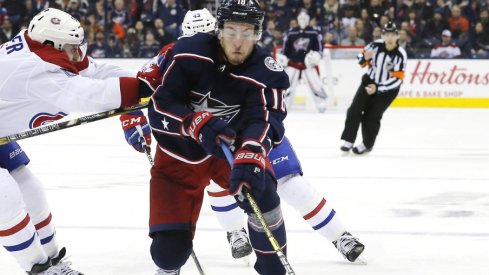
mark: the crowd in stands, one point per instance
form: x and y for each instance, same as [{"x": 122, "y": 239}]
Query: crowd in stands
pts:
[{"x": 139, "y": 28}]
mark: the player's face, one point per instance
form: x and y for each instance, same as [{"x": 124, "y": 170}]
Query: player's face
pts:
[
  {"x": 237, "y": 40},
  {"x": 73, "y": 52}
]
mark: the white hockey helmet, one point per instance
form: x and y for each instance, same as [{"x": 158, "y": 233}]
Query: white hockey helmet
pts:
[
  {"x": 57, "y": 27},
  {"x": 198, "y": 21},
  {"x": 303, "y": 19}
]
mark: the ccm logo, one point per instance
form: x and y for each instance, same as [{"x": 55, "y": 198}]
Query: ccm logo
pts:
[
  {"x": 280, "y": 159},
  {"x": 131, "y": 121}
]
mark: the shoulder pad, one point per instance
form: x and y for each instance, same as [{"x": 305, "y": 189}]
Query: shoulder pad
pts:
[{"x": 198, "y": 44}]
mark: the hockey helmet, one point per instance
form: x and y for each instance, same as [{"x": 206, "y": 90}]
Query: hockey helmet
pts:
[
  {"x": 57, "y": 27},
  {"x": 389, "y": 27},
  {"x": 198, "y": 21},
  {"x": 246, "y": 11},
  {"x": 303, "y": 19}
]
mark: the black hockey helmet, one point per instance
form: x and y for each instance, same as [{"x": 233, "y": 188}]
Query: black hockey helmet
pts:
[
  {"x": 389, "y": 27},
  {"x": 246, "y": 11}
]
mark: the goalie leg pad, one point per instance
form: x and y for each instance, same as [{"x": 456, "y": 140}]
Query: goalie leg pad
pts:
[
  {"x": 171, "y": 249},
  {"x": 284, "y": 160},
  {"x": 12, "y": 156}
]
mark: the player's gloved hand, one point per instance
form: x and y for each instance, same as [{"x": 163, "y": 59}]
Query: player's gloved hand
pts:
[
  {"x": 248, "y": 171},
  {"x": 208, "y": 131},
  {"x": 136, "y": 129},
  {"x": 150, "y": 78},
  {"x": 312, "y": 59}
]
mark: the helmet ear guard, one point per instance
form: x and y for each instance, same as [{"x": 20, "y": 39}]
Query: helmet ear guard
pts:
[{"x": 241, "y": 11}]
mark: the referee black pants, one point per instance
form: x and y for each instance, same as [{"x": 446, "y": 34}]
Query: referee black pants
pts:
[{"x": 367, "y": 110}]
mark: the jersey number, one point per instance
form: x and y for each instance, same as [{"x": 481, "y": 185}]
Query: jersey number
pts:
[
  {"x": 16, "y": 45},
  {"x": 241, "y": 2}
]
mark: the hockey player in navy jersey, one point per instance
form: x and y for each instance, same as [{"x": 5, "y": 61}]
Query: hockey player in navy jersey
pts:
[
  {"x": 292, "y": 187},
  {"x": 45, "y": 75},
  {"x": 300, "y": 55},
  {"x": 216, "y": 88}
]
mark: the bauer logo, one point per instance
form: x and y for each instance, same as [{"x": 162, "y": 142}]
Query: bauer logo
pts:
[{"x": 42, "y": 119}]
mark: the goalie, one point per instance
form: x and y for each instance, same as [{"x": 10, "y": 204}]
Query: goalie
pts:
[{"x": 300, "y": 57}]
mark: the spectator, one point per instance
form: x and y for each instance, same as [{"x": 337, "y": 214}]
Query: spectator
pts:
[
  {"x": 73, "y": 8},
  {"x": 150, "y": 47},
  {"x": 376, "y": 34},
  {"x": 139, "y": 28},
  {"x": 292, "y": 24},
  {"x": 267, "y": 36},
  {"x": 6, "y": 31},
  {"x": 115, "y": 49},
  {"x": 331, "y": 12},
  {"x": 471, "y": 12},
  {"x": 406, "y": 43},
  {"x": 481, "y": 42},
  {"x": 363, "y": 33},
  {"x": 424, "y": 11},
  {"x": 281, "y": 12},
  {"x": 376, "y": 10},
  {"x": 329, "y": 40},
  {"x": 131, "y": 45},
  {"x": 99, "y": 49},
  {"x": 402, "y": 11},
  {"x": 148, "y": 9},
  {"x": 172, "y": 14},
  {"x": 3, "y": 12},
  {"x": 434, "y": 27},
  {"x": 368, "y": 24},
  {"x": 160, "y": 34},
  {"x": 349, "y": 17},
  {"x": 39, "y": 5},
  {"x": 447, "y": 49},
  {"x": 352, "y": 39},
  {"x": 484, "y": 19},
  {"x": 443, "y": 8},
  {"x": 458, "y": 23},
  {"x": 314, "y": 11},
  {"x": 16, "y": 12},
  {"x": 120, "y": 15},
  {"x": 414, "y": 24}
]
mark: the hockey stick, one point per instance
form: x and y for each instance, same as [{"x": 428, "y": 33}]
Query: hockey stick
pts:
[
  {"x": 70, "y": 123},
  {"x": 147, "y": 151},
  {"x": 273, "y": 241}
]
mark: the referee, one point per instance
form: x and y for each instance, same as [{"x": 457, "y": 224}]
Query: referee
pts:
[{"x": 386, "y": 62}]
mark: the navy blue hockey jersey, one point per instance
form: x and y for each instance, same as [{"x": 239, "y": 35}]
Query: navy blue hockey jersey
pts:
[
  {"x": 297, "y": 43},
  {"x": 248, "y": 96}
]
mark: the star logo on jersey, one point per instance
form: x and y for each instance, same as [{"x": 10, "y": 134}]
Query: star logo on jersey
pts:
[
  {"x": 165, "y": 123},
  {"x": 302, "y": 43},
  {"x": 204, "y": 102}
]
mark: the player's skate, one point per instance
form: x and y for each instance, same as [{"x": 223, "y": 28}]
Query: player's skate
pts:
[
  {"x": 361, "y": 149},
  {"x": 240, "y": 244},
  {"x": 55, "y": 266},
  {"x": 167, "y": 272},
  {"x": 350, "y": 247}
]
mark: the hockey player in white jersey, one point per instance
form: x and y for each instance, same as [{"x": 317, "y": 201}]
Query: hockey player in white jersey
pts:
[
  {"x": 300, "y": 56},
  {"x": 292, "y": 187},
  {"x": 45, "y": 75}
]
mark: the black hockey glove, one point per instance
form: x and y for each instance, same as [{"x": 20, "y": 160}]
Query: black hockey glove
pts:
[
  {"x": 208, "y": 131},
  {"x": 248, "y": 171}
]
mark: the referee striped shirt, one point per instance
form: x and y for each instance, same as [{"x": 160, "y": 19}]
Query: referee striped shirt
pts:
[{"x": 386, "y": 68}]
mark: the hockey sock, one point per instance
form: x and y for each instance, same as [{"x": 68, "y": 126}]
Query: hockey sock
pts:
[
  {"x": 171, "y": 249},
  {"x": 296, "y": 191},
  {"x": 37, "y": 207},
  {"x": 229, "y": 215}
]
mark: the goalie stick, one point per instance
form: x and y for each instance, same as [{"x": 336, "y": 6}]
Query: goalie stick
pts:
[
  {"x": 147, "y": 151},
  {"x": 273, "y": 241},
  {"x": 69, "y": 123}
]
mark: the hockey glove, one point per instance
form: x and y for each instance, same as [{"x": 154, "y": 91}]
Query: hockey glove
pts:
[
  {"x": 136, "y": 129},
  {"x": 248, "y": 171},
  {"x": 312, "y": 59},
  {"x": 150, "y": 78},
  {"x": 208, "y": 131}
]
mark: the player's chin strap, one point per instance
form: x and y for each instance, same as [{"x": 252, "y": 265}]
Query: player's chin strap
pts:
[
  {"x": 273, "y": 241},
  {"x": 70, "y": 123},
  {"x": 147, "y": 151}
]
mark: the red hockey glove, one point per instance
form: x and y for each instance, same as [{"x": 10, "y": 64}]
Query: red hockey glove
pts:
[
  {"x": 208, "y": 131},
  {"x": 136, "y": 129},
  {"x": 151, "y": 77}
]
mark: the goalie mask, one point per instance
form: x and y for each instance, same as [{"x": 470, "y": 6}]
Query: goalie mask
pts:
[
  {"x": 56, "y": 27},
  {"x": 303, "y": 19}
]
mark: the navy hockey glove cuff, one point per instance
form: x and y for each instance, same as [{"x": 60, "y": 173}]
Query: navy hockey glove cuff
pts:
[
  {"x": 249, "y": 171},
  {"x": 208, "y": 131},
  {"x": 136, "y": 129}
]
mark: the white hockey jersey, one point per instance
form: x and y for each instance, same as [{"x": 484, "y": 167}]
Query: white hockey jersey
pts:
[{"x": 38, "y": 85}]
